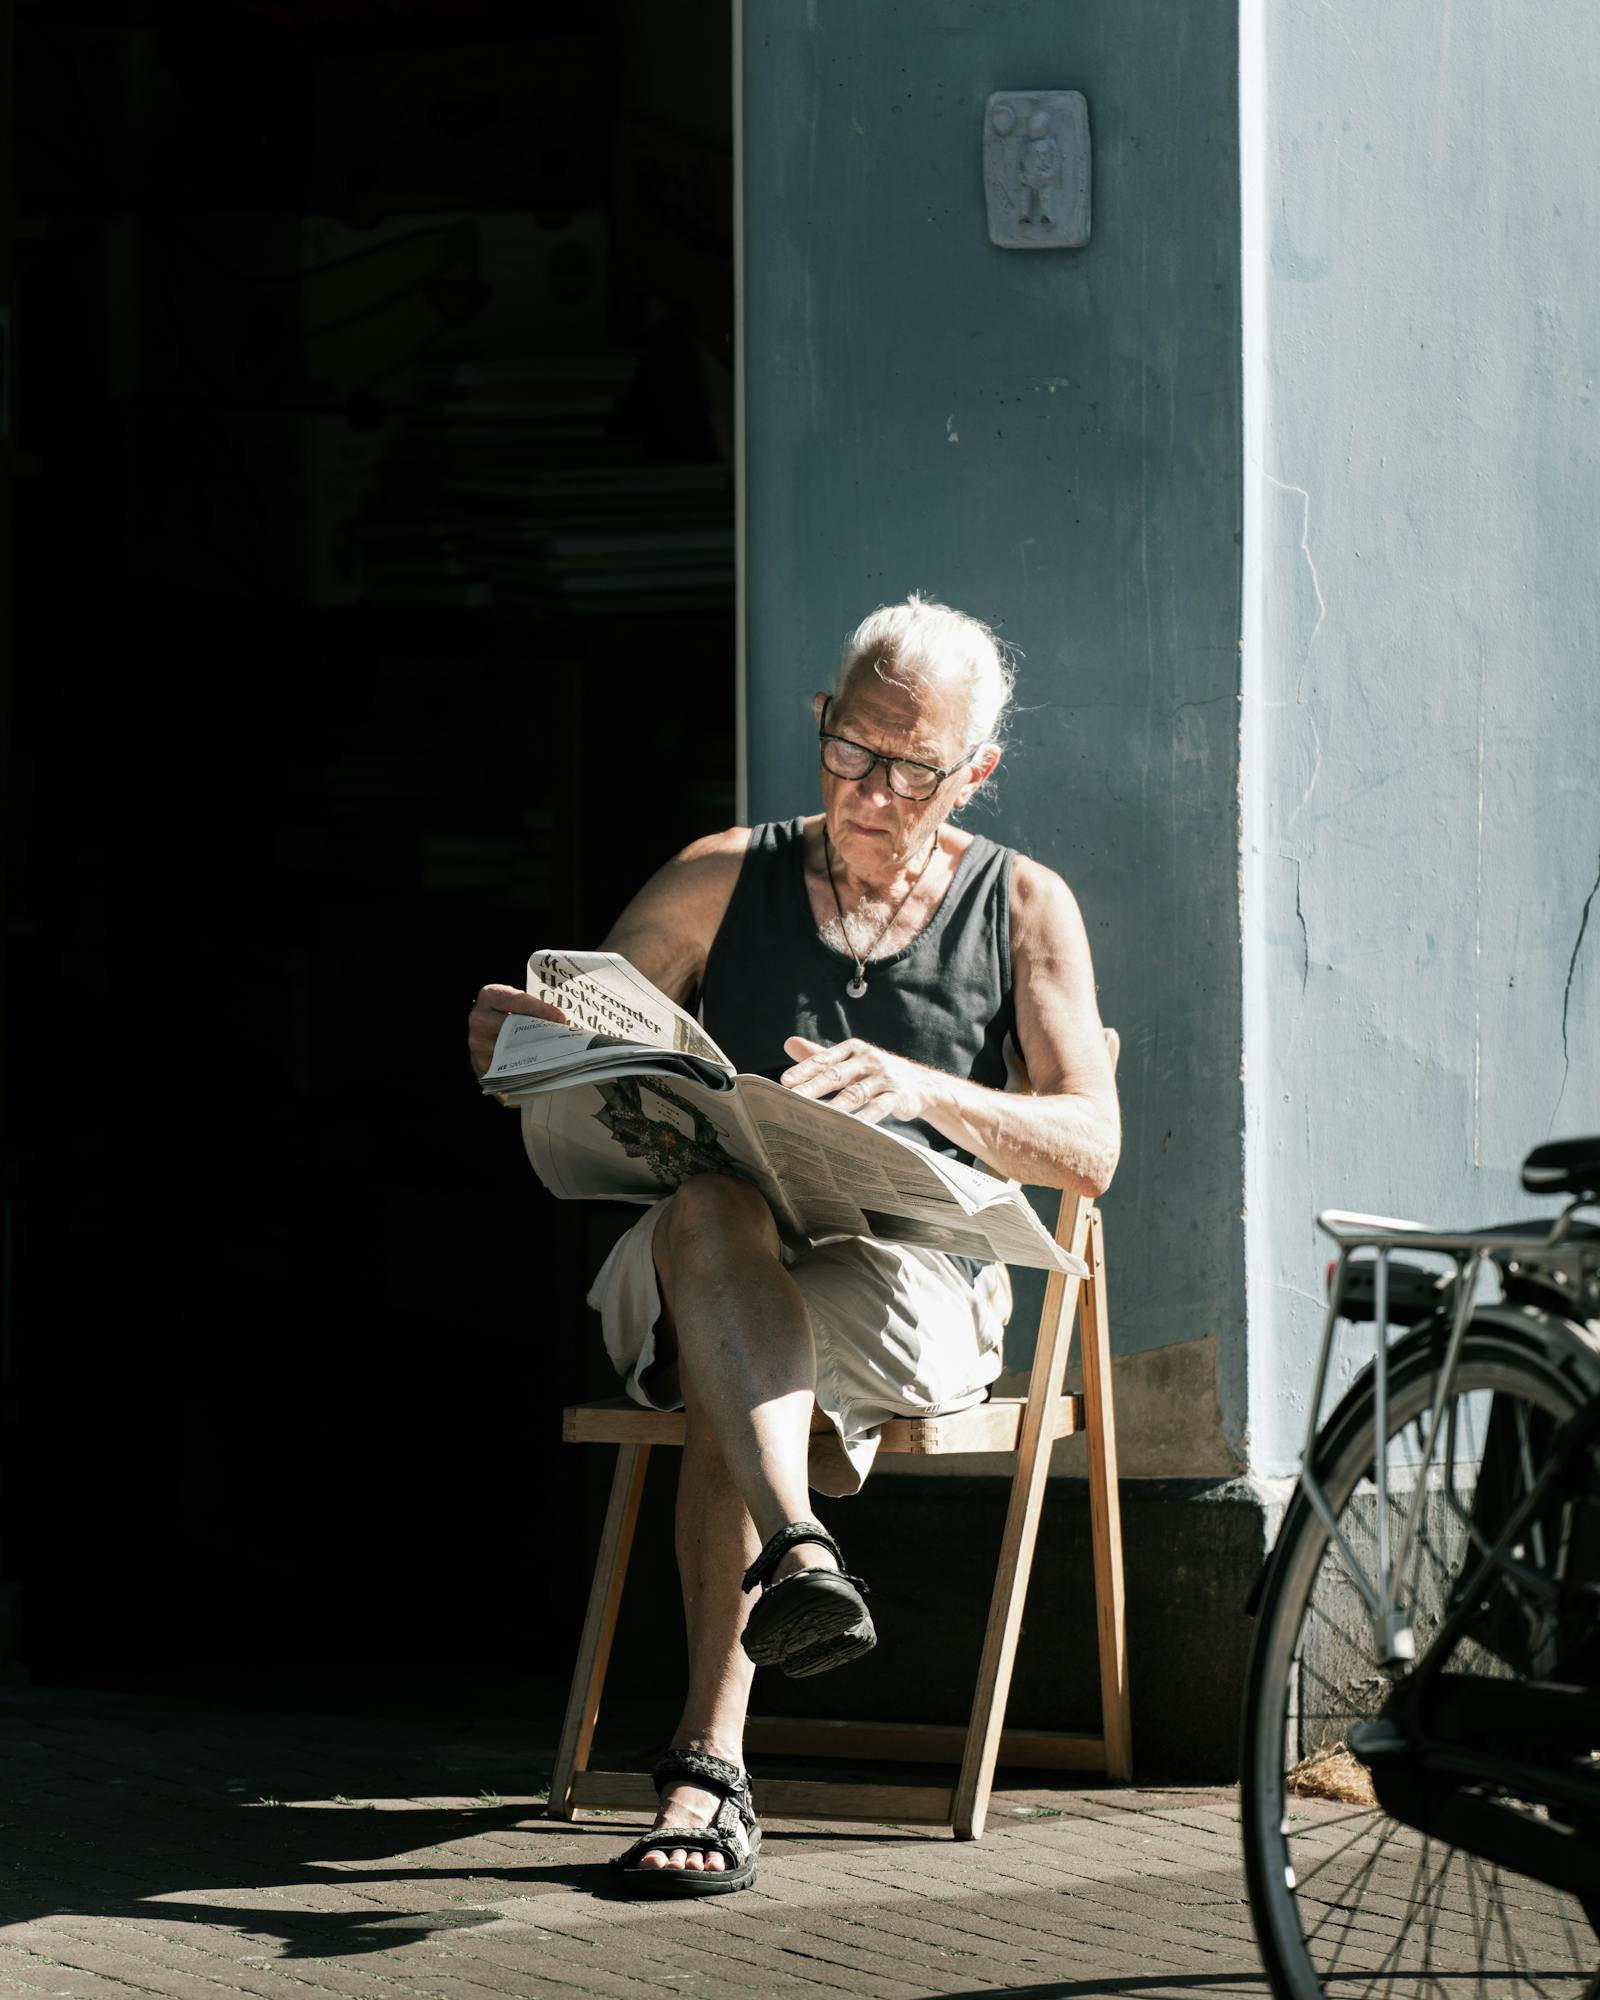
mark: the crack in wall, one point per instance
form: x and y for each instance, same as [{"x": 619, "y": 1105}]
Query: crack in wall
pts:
[
  {"x": 1304, "y": 498},
  {"x": 1316, "y": 766},
  {"x": 1566, "y": 996},
  {"x": 1283, "y": 486}
]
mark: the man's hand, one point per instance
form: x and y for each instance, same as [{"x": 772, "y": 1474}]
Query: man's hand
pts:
[
  {"x": 488, "y": 1014},
  {"x": 858, "y": 1077}
]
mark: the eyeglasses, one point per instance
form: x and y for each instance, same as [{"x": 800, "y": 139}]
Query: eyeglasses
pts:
[{"x": 908, "y": 779}]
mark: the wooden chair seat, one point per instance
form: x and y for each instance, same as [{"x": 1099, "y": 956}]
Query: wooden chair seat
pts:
[{"x": 992, "y": 1426}]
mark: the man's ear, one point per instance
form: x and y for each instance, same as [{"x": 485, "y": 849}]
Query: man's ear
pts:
[
  {"x": 818, "y": 703},
  {"x": 979, "y": 771}
]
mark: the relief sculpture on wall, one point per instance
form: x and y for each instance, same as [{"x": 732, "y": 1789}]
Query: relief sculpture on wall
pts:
[{"x": 1036, "y": 169}]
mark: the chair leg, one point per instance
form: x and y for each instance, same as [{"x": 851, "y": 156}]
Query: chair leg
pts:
[
  {"x": 599, "y": 1626},
  {"x": 970, "y": 1807},
  {"x": 1105, "y": 1515}
]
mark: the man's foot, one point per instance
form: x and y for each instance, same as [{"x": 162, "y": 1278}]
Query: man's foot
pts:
[
  {"x": 808, "y": 1555},
  {"x": 811, "y": 1615},
  {"x": 684, "y": 1805},
  {"x": 706, "y": 1837}
]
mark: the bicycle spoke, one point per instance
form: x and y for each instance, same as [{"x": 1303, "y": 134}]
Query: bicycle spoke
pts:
[
  {"x": 1305, "y": 1880},
  {"x": 1429, "y": 1932},
  {"x": 1529, "y": 1476},
  {"x": 1513, "y": 1946},
  {"x": 1362, "y": 1813},
  {"x": 1419, "y": 1876}
]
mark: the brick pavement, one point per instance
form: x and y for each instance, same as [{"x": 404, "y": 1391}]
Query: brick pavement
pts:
[{"x": 201, "y": 1856}]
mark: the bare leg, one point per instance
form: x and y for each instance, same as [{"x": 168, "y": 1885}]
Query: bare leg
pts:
[
  {"x": 716, "y": 1544},
  {"x": 742, "y": 1338}
]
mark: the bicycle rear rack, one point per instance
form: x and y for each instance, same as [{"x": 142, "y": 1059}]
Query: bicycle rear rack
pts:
[{"x": 1396, "y": 1640}]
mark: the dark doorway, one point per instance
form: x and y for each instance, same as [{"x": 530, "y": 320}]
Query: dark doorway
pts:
[{"x": 371, "y": 526}]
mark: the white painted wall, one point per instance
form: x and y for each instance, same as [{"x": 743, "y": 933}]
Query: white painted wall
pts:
[{"x": 1421, "y": 657}]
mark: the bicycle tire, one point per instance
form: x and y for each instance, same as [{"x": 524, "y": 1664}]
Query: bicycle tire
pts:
[{"x": 1350, "y": 1902}]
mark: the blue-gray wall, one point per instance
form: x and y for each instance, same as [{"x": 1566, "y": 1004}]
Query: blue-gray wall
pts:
[
  {"x": 1050, "y": 440},
  {"x": 1422, "y": 672}
]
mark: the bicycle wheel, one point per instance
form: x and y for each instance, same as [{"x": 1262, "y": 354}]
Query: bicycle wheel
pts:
[{"x": 1346, "y": 1900}]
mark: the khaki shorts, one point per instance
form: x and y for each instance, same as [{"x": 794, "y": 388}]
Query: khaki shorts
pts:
[{"x": 900, "y": 1332}]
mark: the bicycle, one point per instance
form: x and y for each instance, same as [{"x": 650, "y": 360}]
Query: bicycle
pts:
[{"x": 1420, "y": 1785}]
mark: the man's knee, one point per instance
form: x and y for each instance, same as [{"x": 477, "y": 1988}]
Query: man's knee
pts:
[{"x": 711, "y": 1214}]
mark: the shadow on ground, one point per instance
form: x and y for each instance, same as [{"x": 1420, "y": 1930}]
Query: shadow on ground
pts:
[
  {"x": 123, "y": 1812},
  {"x": 127, "y": 1811}
]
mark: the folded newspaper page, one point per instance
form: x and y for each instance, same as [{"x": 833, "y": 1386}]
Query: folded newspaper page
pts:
[{"x": 631, "y": 1097}]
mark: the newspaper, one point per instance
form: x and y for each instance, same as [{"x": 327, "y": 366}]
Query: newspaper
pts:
[{"x": 631, "y": 1097}]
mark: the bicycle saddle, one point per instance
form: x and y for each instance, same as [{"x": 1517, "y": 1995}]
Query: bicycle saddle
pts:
[{"x": 1565, "y": 1166}]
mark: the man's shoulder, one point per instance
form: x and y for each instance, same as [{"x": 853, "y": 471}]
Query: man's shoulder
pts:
[
  {"x": 1043, "y": 907},
  {"x": 1035, "y": 885},
  {"x": 703, "y": 874},
  {"x": 713, "y": 854},
  {"x": 668, "y": 927}
]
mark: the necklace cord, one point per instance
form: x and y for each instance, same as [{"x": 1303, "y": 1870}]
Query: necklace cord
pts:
[{"x": 859, "y": 980}]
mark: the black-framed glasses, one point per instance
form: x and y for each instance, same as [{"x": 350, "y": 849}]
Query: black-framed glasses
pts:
[{"x": 908, "y": 779}]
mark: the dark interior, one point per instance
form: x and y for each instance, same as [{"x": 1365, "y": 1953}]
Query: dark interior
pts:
[{"x": 369, "y": 473}]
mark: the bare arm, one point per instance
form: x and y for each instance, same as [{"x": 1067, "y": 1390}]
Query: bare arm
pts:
[
  {"x": 665, "y": 933},
  {"x": 1069, "y": 1132}
]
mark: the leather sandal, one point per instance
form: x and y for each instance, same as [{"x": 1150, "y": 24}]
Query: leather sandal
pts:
[
  {"x": 733, "y": 1833},
  {"x": 812, "y": 1619}
]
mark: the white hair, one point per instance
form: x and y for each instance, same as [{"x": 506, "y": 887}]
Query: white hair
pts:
[{"x": 922, "y": 641}]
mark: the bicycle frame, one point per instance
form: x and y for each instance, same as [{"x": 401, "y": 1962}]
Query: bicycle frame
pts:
[{"x": 1396, "y": 1642}]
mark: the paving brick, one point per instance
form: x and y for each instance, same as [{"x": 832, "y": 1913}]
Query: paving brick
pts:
[
  {"x": 32, "y": 1972},
  {"x": 826, "y": 1953},
  {"x": 135, "y": 1966}
]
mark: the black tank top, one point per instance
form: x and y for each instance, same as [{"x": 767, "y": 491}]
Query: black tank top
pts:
[{"x": 945, "y": 1000}]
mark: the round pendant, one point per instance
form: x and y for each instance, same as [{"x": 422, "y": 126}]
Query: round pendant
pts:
[{"x": 856, "y": 987}]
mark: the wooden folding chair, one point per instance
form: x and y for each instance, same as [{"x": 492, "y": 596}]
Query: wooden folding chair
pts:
[{"x": 1026, "y": 1426}]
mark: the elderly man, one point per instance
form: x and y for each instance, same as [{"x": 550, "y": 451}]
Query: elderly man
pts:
[{"x": 882, "y": 957}]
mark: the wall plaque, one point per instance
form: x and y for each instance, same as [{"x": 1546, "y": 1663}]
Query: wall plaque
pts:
[{"x": 1036, "y": 169}]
